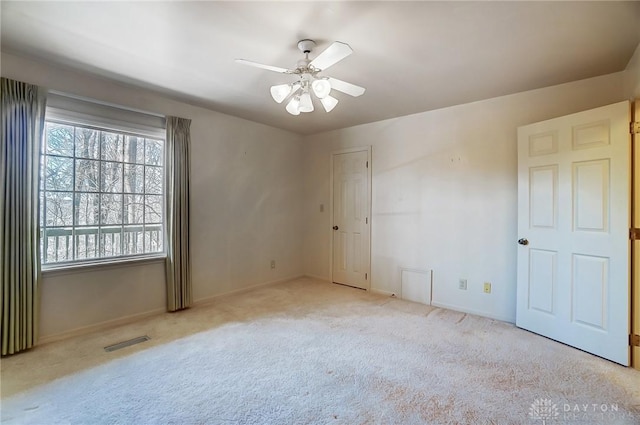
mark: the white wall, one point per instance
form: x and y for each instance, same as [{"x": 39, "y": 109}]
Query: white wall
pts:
[
  {"x": 246, "y": 209},
  {"x": 444, "y": 192},
  {"x": 632, "y": 75},
  {"x": 444, "y": 197}
]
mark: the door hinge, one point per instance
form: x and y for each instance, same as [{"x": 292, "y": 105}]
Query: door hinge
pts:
[
  {"x": 365, "y": 276},
  {"x": 367, "y": 164},
  {"x": 634, "y": 340},
  {"x": 634, "y": 127},
  {"x": 366, "y": 220},
  {"x": 634, "y": 234}
]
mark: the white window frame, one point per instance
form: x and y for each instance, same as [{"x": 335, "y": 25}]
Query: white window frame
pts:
[{"x": 82, "y": 112}]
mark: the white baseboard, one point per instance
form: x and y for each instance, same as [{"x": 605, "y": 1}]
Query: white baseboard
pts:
[
  {"x": 471, "y": 311},
  {"x": 136, "y": 317},
  {"x": 383, "y": 292},
  {"x": 322, "y": 278},
  {"x": 101, "y": 326},
  {"x": 372, "y": 290},
  {"x": 207, "y": 300}
]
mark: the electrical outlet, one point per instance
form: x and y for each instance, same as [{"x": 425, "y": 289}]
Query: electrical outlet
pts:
[
  {"x": 462, "y": 284},
  {"x": 487, "y": 287},
  {"x": 273, "y": 264}
]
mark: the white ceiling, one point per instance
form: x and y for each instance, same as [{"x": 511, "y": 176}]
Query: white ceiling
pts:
[{"x": 411, "y": 56}]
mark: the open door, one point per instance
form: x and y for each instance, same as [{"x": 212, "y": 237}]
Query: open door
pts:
[{"x": 573, "y": 223}]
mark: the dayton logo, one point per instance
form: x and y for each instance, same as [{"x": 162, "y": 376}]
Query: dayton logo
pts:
[{"x": 543, "y": 409}]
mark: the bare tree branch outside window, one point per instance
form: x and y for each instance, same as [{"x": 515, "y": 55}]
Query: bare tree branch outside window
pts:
[{"x": 102, "y": 194}]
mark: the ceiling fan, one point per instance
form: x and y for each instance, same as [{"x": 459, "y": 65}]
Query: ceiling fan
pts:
[{"x": 307, "y": 70}]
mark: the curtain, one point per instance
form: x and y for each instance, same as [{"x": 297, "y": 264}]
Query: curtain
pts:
[
  {"x": 23, "y": 109},
  {"x": 178, "y": 167}
]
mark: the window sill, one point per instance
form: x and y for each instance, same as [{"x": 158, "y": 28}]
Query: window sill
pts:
[{"x": 90, "y": 266}]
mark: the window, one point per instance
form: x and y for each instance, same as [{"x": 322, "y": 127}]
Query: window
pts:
[{"x": 102, "y": 192}]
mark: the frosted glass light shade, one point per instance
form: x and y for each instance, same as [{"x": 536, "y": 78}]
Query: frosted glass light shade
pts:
[
  {"x": 321, "y": 88},
  {"x": 293, "y": 106},
  {"x": 280, "y": 92},
  {"x": 329, "y": 102},
  {"x": 305, "y": 103}
]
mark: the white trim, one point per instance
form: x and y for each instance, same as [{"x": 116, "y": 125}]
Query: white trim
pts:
[
  {"x": 155, "y": 312},
  {"x": 471, "y": 311},
  {"x": 101, "y": 326},
  {"x": 322, "y": 278},
  {"x": 385, "y": 293},
  {"x": 55, "y": 269},
  {"x": 367, "y": 149},
  {"x": 207, "y": 300},
  {"x": 352, "y": 150}
]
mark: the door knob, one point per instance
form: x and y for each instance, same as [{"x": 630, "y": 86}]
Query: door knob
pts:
[
  {"x": 523, "y": 241},
  {"x": 335, "y": 227}
]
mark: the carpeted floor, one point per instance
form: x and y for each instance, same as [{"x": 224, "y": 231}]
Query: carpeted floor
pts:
[{"x": 309, "y": 352}]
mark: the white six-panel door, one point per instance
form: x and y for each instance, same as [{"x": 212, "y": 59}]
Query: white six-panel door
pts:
[
  {"x": 573, "y": 221},
  {"x": 351, "y": 236}
]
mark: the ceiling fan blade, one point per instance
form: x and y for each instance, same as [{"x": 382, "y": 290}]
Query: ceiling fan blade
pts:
[
  {"x": 267, "y": 67},
  {"x": 331, "y": 55},
  {"x": 348, "y": 88}
]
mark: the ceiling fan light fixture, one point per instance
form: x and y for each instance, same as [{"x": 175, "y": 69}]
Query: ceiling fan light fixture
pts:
[
  {"x": 321, "y": 87},
  {"x": 298, "y": 95},
  {"x": 329, "y": 102},
  {"x": 293, "y": 107},
  {"x": 280, "y": 92},
  {"x": 306, "y": 105}
]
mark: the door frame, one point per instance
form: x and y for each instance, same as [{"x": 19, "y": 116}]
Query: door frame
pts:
[
  {"x": 635, "y": 249},
  {"x": 367, "y": 149}
]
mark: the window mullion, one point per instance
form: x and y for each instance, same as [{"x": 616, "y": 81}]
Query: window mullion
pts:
[
  {"x": 144, "y": 196},
  {"x": 45, "y": 244},
  {"x": 100, "y": 194},
  {"x": 73, "y": 199},
  {"x": 122, "y": 203}
]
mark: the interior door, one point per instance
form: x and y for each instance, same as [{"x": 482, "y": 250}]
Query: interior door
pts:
[
  {"x": 351, "y": 227},
  {"x": 573, "y": 221}
]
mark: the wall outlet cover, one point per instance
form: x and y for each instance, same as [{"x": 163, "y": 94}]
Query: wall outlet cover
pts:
[{"x": 462, "y": 284}]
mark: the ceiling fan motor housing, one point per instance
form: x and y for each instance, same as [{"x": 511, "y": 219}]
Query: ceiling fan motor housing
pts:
[{"x": 306, "y": 45}]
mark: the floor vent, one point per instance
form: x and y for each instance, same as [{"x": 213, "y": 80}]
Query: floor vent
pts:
[{"x": 128, "y": 343}]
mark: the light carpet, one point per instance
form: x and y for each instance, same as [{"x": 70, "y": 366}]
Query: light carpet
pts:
[{"x": 309, "y": 352}]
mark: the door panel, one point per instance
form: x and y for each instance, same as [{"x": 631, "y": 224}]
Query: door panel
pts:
[
  {"x": 573, "y": 208},
  {"x": 543, "y": 184},
  {"x": 590, "y": 281},
  {"x": 542, "y": 279},
  {"x": 591, "y": 195},
  {"x": 350, "y": 219}
]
